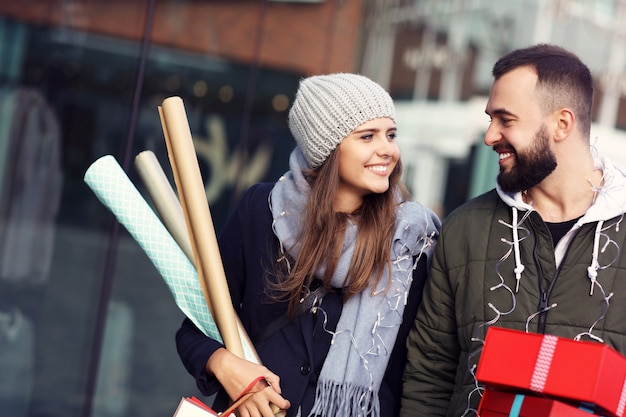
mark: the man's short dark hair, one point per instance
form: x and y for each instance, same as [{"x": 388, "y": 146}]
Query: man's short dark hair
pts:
[{"x": 563, "y": 79}]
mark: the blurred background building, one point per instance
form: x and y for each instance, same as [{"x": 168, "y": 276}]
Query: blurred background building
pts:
[{"x": 86, "y": 323}]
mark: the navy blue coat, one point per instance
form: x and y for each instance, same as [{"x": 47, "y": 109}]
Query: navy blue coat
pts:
[{"x": 249, "y": 249}]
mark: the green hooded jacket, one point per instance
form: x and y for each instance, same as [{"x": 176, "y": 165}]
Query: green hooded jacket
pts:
[{"x": 483, "y": 245}]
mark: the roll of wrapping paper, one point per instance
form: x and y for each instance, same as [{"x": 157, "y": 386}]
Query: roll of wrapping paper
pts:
[
  {"x": 199, "y": 222},
  {"x": 186, "y": 170},
  {"x": 165, "y": 200},
  {"x": 114, "y": 189},
  {"x": 169, "y": 209}
]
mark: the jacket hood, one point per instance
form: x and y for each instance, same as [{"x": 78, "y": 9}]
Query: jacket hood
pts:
[{"x": 610, "y": 200}]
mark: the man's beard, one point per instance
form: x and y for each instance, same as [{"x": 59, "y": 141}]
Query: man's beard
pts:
[{"x": 531, "y": 166}]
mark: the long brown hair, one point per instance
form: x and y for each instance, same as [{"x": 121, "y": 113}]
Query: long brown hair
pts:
[{"x": 323, "y": 230}]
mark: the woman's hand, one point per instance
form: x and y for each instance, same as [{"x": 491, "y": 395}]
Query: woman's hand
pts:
[{"x": 236, "y": 374}]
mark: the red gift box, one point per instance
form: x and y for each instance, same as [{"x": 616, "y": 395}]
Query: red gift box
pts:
[
  {"x": 507, "y": 404},
  {"x": 589, "y": 373}
]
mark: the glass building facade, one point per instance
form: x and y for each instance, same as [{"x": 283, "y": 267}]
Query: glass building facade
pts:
[{"x": 86, "y": 323}]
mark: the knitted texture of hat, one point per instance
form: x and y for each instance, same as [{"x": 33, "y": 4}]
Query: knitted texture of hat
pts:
[{"x": 328, "y": 107}]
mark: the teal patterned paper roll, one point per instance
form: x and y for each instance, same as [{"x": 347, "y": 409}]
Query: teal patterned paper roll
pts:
[{"x": 114, "y": 189}]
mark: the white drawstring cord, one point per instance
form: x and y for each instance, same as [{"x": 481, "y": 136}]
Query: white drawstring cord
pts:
[
  {"x": 519, "y": 267},
  {"x": 592, "y": 270}
]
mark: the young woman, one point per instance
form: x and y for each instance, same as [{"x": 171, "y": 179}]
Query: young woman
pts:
[{"x": 325, "y": 267}]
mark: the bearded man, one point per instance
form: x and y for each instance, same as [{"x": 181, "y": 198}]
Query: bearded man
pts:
[{"x": 540, "y": 252}]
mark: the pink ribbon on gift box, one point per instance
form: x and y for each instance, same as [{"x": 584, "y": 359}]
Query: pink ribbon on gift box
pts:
[
  {"x": 542, "y": 365},
  {"x": 542, "y": 369},
  {"x": 622, "y": 400}
]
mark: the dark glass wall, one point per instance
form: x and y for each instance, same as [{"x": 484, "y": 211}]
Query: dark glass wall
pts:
[{"x": 86, "y": 323}]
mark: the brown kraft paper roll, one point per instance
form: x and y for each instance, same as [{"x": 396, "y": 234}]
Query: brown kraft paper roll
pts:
[{"x": 199, "y": 221}]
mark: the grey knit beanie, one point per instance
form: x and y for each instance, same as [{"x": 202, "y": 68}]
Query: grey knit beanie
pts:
[{"x": 328, "y": 107}]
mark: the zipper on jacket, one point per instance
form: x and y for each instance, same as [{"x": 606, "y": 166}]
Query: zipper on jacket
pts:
[
  {"x": 545, "y": 295},
  {"x": 543, "y": 305},
  {"x": 545, "y": 299}
]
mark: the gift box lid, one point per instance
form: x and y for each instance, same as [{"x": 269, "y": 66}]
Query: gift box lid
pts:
[{"x": 592, "y": 374}]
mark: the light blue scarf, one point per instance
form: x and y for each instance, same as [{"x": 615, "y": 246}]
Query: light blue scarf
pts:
[{"x": 367, "y": 329}]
